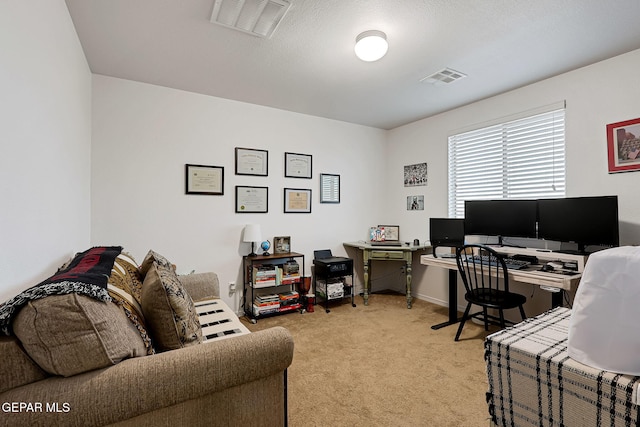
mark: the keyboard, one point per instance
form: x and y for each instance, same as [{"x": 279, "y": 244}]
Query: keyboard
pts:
[{"x": 512, "y": 263}]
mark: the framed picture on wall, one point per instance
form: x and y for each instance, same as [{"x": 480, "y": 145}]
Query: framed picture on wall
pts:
[
  {"x": 201, "y": 179},
  {"x": 297, "y": 165},
  {"x": 623, "y": 146},
  {"x": 252, "y": 199},
  {"x": 297, "y": 200},
  {"x": 329, "y": 188},
  {"x": 250, "y": 161}
]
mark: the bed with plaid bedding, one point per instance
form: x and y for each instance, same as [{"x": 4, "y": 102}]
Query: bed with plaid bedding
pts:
[{"x": 533, "y": 382}]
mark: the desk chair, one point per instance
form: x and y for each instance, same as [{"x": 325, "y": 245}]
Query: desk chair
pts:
[{"x": 486, "y": 285}]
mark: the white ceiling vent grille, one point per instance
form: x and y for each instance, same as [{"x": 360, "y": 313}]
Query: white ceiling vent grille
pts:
[
  {"x": 257, "y": 17},
  {"x": 444, "y": 76}
]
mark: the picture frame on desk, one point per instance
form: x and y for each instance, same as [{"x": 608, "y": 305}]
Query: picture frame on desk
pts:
[
  {"x": 282, "y": 244},
  {"x": 623, "y": 146}
]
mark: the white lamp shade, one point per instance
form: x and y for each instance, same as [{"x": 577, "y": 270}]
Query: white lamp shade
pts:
[
  {"x": 371, "y": 45},
  {"x": 252, "y": 233}
]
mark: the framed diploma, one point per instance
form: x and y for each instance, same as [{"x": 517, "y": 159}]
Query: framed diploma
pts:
[
  {"x": 252, "y": 162},
  {"x": 201, "y": 179},
  {"x": 297, "y": 165},
  {"x": 329, "y": 188},
  {"x": 297, "y": 200},
  {"x": 252, "y": 199}
]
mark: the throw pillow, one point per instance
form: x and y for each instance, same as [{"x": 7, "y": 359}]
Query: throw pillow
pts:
[
  {"x": 168, "y": 309},
  {"x": 125, "y": 289},
  {"x": 70, "y": 334}
]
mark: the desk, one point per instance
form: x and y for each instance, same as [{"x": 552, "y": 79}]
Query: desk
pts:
[
  {"x": 530, "y": 275},
  {"x": 387, "y": 253}
]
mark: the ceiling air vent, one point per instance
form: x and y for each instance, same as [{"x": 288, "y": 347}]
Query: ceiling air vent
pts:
[
  {"x": 257, "y": 17},
  {"x": 444, "y": 76}
]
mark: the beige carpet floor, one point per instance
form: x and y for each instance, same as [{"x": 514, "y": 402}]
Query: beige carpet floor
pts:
[{"x": 383, "y": 365}]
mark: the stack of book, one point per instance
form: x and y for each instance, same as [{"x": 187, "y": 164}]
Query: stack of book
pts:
[
  {"x": 265, "y": 276},
  {"x": 265, "y": 304},
  {"x": 289, "y": 301}
]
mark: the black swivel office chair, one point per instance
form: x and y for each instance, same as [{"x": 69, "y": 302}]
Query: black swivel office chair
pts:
[{"x": 487, "y": 285}]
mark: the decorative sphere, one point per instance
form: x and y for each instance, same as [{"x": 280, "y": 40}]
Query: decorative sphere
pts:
[{"x": 266, "y": 245}]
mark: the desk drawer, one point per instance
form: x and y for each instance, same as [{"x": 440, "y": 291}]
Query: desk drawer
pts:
[{"x": 387, "y": 255}]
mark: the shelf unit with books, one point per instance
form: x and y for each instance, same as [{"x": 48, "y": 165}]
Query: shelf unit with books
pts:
[{"x": 270, "y": 284}]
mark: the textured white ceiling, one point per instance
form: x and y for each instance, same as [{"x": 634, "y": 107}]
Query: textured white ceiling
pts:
[{"x": 308, "y": 65}]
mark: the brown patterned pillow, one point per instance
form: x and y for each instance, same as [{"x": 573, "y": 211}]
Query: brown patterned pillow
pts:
[
  {"x": 125, "y": 289},
  {"x": 168, "y": 309}
]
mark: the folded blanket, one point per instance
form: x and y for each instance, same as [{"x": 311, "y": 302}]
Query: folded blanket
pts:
[{"x": 86, "y": 274}]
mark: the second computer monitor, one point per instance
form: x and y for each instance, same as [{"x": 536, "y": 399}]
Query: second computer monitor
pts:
[{"x": 502, "y": 218}]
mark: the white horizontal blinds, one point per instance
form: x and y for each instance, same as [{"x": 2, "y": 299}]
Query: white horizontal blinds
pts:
[{"x": 520, "y": 159}]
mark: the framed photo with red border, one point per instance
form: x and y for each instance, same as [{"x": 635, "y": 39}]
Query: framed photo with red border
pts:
[{"x": 623, "y": 144}]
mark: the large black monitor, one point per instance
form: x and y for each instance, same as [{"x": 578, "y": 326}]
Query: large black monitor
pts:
[
  {"x": 502, "y": 218},
  {"x": 585, "y": 221}
]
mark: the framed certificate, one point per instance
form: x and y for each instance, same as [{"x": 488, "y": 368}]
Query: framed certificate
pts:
[
  {"x": 252, "y": 199},
  {"x": 297, "y": 165},
  {"x": 252, "y": 162},
  {"x": 297, "y": 200},
  {"x": 201, "y": 179}
]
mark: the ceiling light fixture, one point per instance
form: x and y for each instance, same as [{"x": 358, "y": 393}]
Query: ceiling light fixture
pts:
[{"x": 371, "y": 45}]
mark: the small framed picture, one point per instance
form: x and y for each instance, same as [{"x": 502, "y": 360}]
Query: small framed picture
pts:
[
  {"x": 252, "y": 199},
  {"x": 329, "y": 188},
  {"x": 623, "y": 144},
  {"x": 297, "y": 200},
  {"x": 282, "y": 244},
  {"x": 252, "y": 162},
  {"x": 415, "y": 203},
  {"x": 201, "y": 179},
  {"x": 415, "y": 175},
  {"x": 297, "y": 165}
]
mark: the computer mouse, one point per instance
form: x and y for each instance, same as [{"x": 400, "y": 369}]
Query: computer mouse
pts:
[{"x": 547, "y": 267}]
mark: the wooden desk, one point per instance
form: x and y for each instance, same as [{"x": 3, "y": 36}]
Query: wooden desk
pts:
[
  {"x": 530, "y": 275},
  {"x": 387, "y": 253}
]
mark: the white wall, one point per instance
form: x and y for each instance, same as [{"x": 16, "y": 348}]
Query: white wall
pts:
[
  {"x": 143, "y": 135},
  {"x": 45, "y": 131},
  {"x": 596, "y": 95}
]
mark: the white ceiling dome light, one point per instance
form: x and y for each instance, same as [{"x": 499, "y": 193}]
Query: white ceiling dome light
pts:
[{"x": 371, "y": 45}]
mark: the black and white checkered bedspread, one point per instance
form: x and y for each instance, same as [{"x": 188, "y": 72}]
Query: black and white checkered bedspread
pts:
[{"x": 533, "y": 382}]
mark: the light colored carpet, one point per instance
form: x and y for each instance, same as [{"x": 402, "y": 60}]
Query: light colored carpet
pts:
[{"x": 383, "y": 365}]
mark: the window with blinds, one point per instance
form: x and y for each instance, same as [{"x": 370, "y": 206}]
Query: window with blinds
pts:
[{"x": 518, "y": 159}]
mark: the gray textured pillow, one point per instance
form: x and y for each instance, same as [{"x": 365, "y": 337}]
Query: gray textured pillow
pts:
[
  {"x": 168, "y": 309},
  {"x": 70, "y": 334}
]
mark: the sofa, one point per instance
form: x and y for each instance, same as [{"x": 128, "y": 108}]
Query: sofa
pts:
[{"x": 121, "y": 373}]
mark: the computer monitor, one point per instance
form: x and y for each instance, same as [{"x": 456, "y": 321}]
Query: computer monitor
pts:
[
  {"x": 501, "y": 218},
  {"x": 582, "y": 220},
  {"x": 446, "y": 232}
]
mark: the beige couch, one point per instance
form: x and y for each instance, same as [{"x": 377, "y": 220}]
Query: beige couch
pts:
[{"x": 233, "y": 381}]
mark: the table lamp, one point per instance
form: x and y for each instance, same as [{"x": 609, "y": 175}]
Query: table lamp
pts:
[{"x": 252, "y": 234}]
